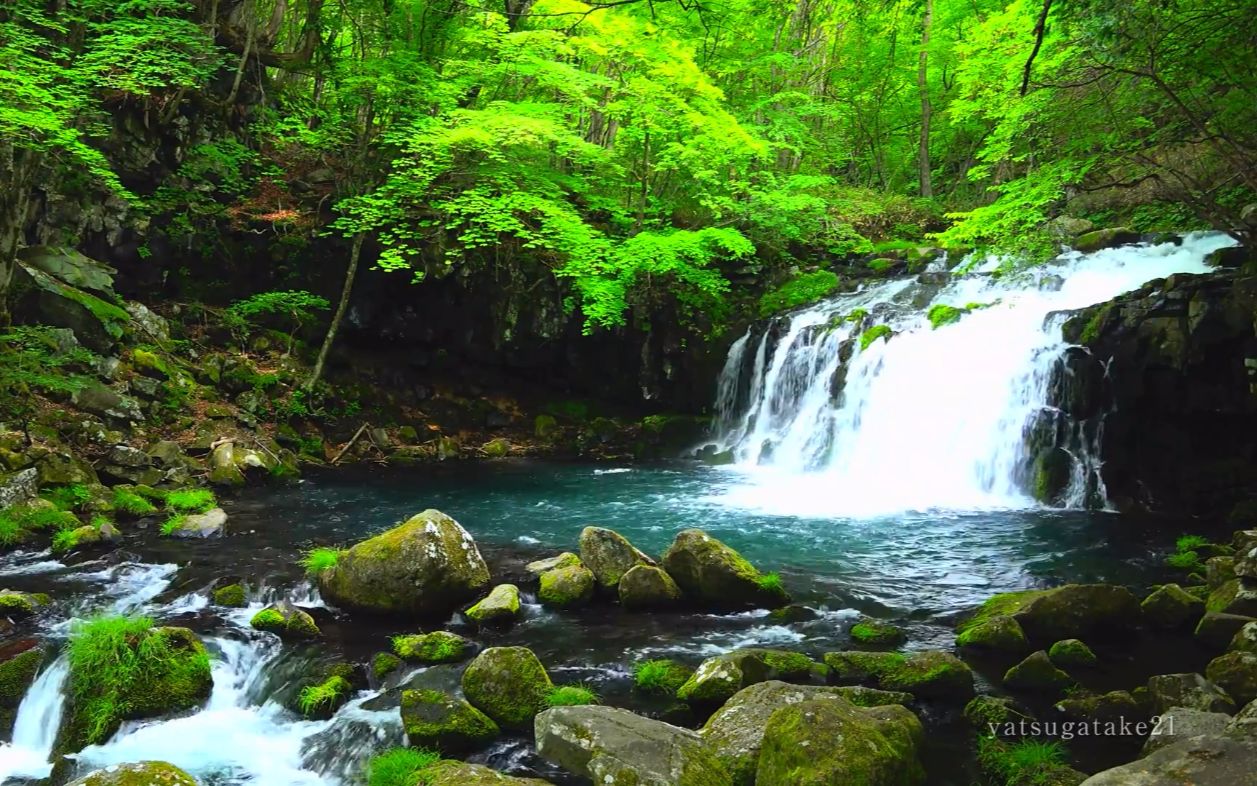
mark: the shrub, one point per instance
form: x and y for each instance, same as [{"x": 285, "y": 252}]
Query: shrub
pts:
[
  {"x": 191, "y": 500},
  {"x": 802, "y": 290},
  {"x": 399, "y": 766},
  {"x": 571, "y": 696},
  {"x": 318, "y": 560}
]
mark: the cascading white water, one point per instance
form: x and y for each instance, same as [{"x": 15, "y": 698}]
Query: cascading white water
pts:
[
  {"x": 929, "y": 418},
  {"x": 35, "y": 728}
]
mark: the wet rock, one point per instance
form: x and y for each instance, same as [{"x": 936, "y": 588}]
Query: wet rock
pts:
[
  {"x": 994, "y": 714},
  {"x": 1037, "y": 674},
  {"x": 1235, "y": 673},
  {"x": 565, "y": 588},
  {"x": 223, "y": 469},
  {"x": 508, "y": 684},
  {"x": 736, "y": 732},
  {"x": 1066, "y": 228},
  {"x": 1199, "y": 761},
  {"x": 1246, "y": 563},
  {"x": 210, "y": 524},
  {"x": 1113, "y": 706},
  {"x": 384, "y": 664},
  {"x": 1245, "y": 639},
  {"x": 145, "y": 773},
  {"x": 565, "y": 560},
  {"x": 1187, "y": 690},
  {"x": 997, "y": 633},
  {"x": 609, "y": 745},
  {"x": 1170, "y": 607},
  {"x": 286, "y": 621},
  {"x": 1181, "y": 723},
  {"x": 439, "y": 721},
  {"x": 721, "y": 676},
  {"x": 931, "y": 674},
  {"x": 1237, "y": 596},
  {"x": 869, "y": 632},
  {"x": 1218, "y": 571},
  {"x": 19, "y": 663},
  {"x": 855, "y": 668},
  {"x": 648, "y": 587},
  {"x": 713, "y": 574},
  {"x": 1217, "y": 630},
  {"x": 1072, "y": 611},
  {"x": 1072, "y": 653},
  {"x": 609, "y": 555},
  {"x": 65, "y": 469},
  {"x": 21, "y": 605},
  {"x": 459, "y": 773},
  {"x": 428, "y": 566},
  {"x": 231, "y": 596},
  {"x": 18, "y": 487},
  {"x": 1098, "y": 239},
  {"x": 833, "y": 741},
  {"x": 501, "y": 605},
  {"x": 436, "y": 647}
]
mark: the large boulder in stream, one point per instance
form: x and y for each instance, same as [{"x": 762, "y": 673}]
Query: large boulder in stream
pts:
[
  {"x": 437, "y": 720},
  {"x": 460, "y": 773},
  {"x": 715, "y": 575},
  {"x": 144, "y": 773},
  {"x": 648, "y": 587},
  {"x": 1220, "y": 760},
  {"x": 721, "y": 676},
  {"x": 612, "y": 746},
  {"x": 508, "y": 684},
  {"x": 1073, "y": 611},
  {"x": 426, "y": 567},
  {"x": 609, "y": 555}
]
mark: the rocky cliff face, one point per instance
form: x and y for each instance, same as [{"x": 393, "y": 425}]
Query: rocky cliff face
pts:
[{"x": 1168, "y": 385}]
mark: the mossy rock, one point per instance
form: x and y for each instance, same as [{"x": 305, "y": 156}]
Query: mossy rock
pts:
[
  {"x": 609, "y": 555},
  {"x": 1098, "y": 239},
  {"x": 1113, "y": 706},
  {"x": 870, "y": 632},
  {"x": 497, "y": 448},
  {"x": 508, "y": 684},
  {"x": 545, "y": 426},
  {"x": 459, "y": 773},
  {"x": 1081, "y": 611},
  {"x": 1216, "y": 631},
  {"x": 1218, "y": 571},
  {"x": 721, "y": 676},
  {"x": 439, "y": 721},
  {"x": 286, "y": 621},
  {"x": 21, "y": 605},
  {"x": 1072, "y": 653},
  {"x": 565, "y": 560},
  {"x": 1192, "y": 691},
  {"x": 1235, "y": 673},
  {"x": 1037, "y": 674},
  {"x": 384, "y": 664},
  {"x": 1171, "y": 607},
  {"x": 569, "y": 587},
  {"x": 426, "y": 567},
  {"x": 831, "y": 741},
  {"x": 232, "y": 596},
  {"x": 930, "y": 674},
  {"x": 715, "y": 575},
  {"x": 861, "y": 668},
  {"x": 145, "y": 773},
  {"x": 996, "y": 633},
  {"x": 1245, "y": 639},
  {"x": 1237, "y": 596},
  {"x": 648, "y": 587},
  {"x": 436, "y": 647},
  {"x": 993, "y": 714},
  {"x": 501, "y": 605},
  {"x": 17, "y": 673},
  {"x": 320, "y": 699}
]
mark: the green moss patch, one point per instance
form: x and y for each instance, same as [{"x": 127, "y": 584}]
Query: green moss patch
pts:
[{"x": 436, "y": 647}]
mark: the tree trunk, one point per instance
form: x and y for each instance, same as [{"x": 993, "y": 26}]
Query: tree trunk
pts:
[
  {"x": 16, "y": 169},
  {"x": 923, "y": 150},
  {"x": 341, "y": 308}
]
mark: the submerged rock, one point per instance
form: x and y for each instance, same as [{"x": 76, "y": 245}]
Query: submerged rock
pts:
[
  {"x": 145, "y": 773},
  {"x": 711, "y": 573},
  {"x": 609, "y": 555},
  {"x": 508, "y": 684},
  {"x": 648, "y": 587},
  {"x": 501, "y": 605},
  {"x": 831, "y": 741},
  {"x": 871, "y": 632},
  {"x": 428, "y": 566},
  {"x": 613, "y": 746},
  {"x": 437, "y": 720}
]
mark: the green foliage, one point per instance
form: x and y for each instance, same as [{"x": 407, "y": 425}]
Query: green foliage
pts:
[
  {"x": 660, "y": 676},
  {"x": 191, "y": 500},
  {"x": 37, "y": 359},
  {"x": 71, "y": 497},
  {"x": 1027, "y": 762},
  {"x": 873, "y": 334},
  {"x": 802, "y": 290},
  {"x": 315, "y": 698},
  {"x": 770, "y": 582},
  {"x": 298, "y": 307},
  {"x": 320, "y": 559},
  {"x": 571, "y": 696},
  {"x": 942, "y": 314},
  {"x": 129, "y": 502},
  {"x": 171, "y": 525},
  {"x": 1184, "y": 560},
  {"x": 400, "y": 767},
  {"x": 1190, "y": 542}
]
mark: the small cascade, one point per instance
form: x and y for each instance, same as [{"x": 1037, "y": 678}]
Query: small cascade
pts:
[
  {"x": 959, "y": 416},
  {"x": 35, "y": 728}
]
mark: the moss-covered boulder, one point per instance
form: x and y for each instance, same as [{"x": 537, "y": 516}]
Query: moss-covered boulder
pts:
[
  {"x": 1218, "y": 571},
  {"x": 1187, "y": 690},
  {"x": 648, "y": 587},
  {"x": 1171, "y": 607},
  {"x": 1037, "y": 674},
  {"x": 230, "y": 595},
  {"x": 870, "y": 632},
  {"x": 19, "y": 663},
  {"x": 383, "y": 664},
  {"x": 1072, "y": 654},
  {"x": 736, "y": 732},
  {"x": 1113, "y": 706},
  {"x": 1237, "y": 596},
  {"x": 1072, "y": 611},
  {"x": 609, "y": 555},
  {"x": 426, "y": 567},
  {"x": 930, "y": 674},
  {"x": 565, "y": 588},
  {"x": 125, "y": 669},
  {"x": 145, "y": 773},
  {"x": 21, "y": 605},
  {"x": 1216, "y": 631},
  {"x": 831, "y": 741},
  {"x": 1245, "y": 639},
  {"x": 1235, "y": 673},
  {"x": 322, "y": 696},
  {"x": 721, "y": 676},
  {"x": 439, "y": 646},
  {"x": 565, "y": 560},
  {"x": 499, "y": 606},
  {"x": 995, "y": 715},
  {"x": 286, "y": 621},
  {"x": 1098, "y": 239},
  {"x": 614, "y": 746},
  {"x": 439, "y": 721},
  {"x": 995, "y": 633},
  {"x": 716, "y": 576},
  {"x": 460, "y": 773},
  {"x": 508, "y": 684},
  {"x": 861, "y": 668}
]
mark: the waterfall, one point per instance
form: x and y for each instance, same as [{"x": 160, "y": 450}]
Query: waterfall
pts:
[
  {"x": 929, "y": 418},
  {"x": 36, "y": 724}
]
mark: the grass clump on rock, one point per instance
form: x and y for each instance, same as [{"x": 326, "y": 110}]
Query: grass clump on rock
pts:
[
  {"x": 191, "y": 500},
  {"x": 320, "y": 559},
  {"x": 571, "y": 696},
  {"x": 323, "y": 697},
  {"x": 661, "y": 676},
  {"x": 1027, "y": 761},
  {"x": 400, "y": 766},
  {"x": 128, "y": 502}
]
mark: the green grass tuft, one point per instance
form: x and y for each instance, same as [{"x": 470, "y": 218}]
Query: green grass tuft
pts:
[
  {"x": 132, "y": 504},
  {"x": 942, "y": 314},
  {"x": 71, "y": 497},
  {"x": 191, "y": 500},
  {"x": 1190, "y": 542},
  {"x": 1185, "y": 560},
  {"x": 663, "y": 677},
  {"x": 314, "y": 698},
  {"x": 1024, "y": 763},
  {"x": 318, "y": 560},
  {"x": 400, "y": 767},
  {"x": 771, "y": 582},
  {"x": 571, "y": 696},
  {"x": 173, "y": 523}
]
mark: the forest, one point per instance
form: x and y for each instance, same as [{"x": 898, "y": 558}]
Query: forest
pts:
[{"x": 650, "y": 392}]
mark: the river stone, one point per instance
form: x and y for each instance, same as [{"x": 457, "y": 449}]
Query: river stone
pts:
[
  {"x": 460, "y": 773},
  {"x": 1072, "y": 653},
  {"x": 1198, "y": 761},
  {"x": 437, "y": 720},
  {"x": 870, "y": 632},
  {"x": 19, "y": 663},
  {"x": 1246, "y": 563},
  {"x": 609, "y": 555},
  {"x": 711, "y": 573},
  {"x": 855, "y": 668},
  {"x": 439, "y": 646},
  {"x": 648, "y": 587},
  {"x": 1244, "y": 724},
  {"x": 565, "y": 560},
  {"x": 20, "y": 605},
  {"x": 1218, "y": 571},
  {"x": 1192, "y": 691},
  {"x": 65, "y": 469},
  {"x": 508, "y": 684},
  {"x": 501, "y": 605},
  {"x": 1072, "y": 611},
  {"x": 210, "y": 524},
  {"x": 1170, "y": 606},
  {"x": 286, "y": 621},
  {"x": 831, "y": 741},
  {"x": 145, "y": 773},
  {"x": 428, "y": 566},
  {"x": 565, "y": 588},
  {"x": 613, "y": 746},
  {"x": 1104, "y": 238},
  {"x": 736, "y": 731},
  {"x": 1114, "y": 706},
  {"x": 18, "y": 487},
  {"x": 1237, "y": 596},
  {"x": 721, "y": 676},
  {"x": 931, "y": 674},
  {"x": 1180, "y": 723},
  {"x": 223, "y": 470},
  {"x": 127, "y": 456},
  {"x": 1037, "y": 674},
  {"x": 1218, "y": 630},
  {"x": 995, "y": 715},
  {"x": 1245, "y": 639},
  {"x": 1235, "y": 673},
  {"x": 998, "y": 633}
]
